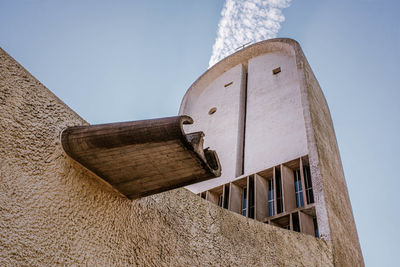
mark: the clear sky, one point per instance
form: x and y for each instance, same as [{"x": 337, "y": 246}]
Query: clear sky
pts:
[{"x": 128, "y": 60}]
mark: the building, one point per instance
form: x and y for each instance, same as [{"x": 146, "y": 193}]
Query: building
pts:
[{"x": 262, "y": 111}]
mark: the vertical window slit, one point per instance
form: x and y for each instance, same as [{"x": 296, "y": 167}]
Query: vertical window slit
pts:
[
  {"x": 279, "y": 202},
  {"x": 226, "y": 199},
  {"x": 244, "y": 201},
  {"x": 298, "y": 189},
  {"x": 271, "y": 200}
]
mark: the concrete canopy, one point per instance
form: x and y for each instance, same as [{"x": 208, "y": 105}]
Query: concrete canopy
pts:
[{"x": 141, "y": 158}]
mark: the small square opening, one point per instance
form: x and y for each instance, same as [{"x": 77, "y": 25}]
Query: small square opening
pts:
[{"x": 276, "y": 71}]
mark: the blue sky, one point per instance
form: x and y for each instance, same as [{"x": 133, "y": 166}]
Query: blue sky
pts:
[{"x": 129, "y": 60}]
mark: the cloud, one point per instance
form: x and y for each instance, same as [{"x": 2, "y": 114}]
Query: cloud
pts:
[{"x": 245, "y": 21}]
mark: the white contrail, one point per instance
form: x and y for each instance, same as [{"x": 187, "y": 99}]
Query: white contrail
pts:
[{"x": 245, "y": 21}]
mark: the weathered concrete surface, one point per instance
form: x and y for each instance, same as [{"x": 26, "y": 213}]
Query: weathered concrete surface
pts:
[
  {"x": 327, "y": 170},
  {"x": 53, "y": 211},
  {"x": 142, "y": 158}
]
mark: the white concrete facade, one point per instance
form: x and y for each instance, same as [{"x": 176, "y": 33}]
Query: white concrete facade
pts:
[
  {"x": 224, "y": 128},
  {"x": 275, "y": 129},
  {"x": 259, "y": 112}
]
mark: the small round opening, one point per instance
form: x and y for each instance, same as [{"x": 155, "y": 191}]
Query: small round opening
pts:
[{"x": 212, "y": 111}]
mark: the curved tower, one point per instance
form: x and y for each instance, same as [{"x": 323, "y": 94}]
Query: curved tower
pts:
[{"x": 264, "y": 113}]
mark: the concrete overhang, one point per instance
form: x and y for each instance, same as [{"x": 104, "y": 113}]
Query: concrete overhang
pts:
[{"x": 142, "y": 158}]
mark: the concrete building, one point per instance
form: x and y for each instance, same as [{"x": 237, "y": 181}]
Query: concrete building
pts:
[{"x": 262, "y": 111}]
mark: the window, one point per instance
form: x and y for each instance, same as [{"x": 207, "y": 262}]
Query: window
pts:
[
  {"x": 244, "y": 201},
  {"x": 279, "y": 204},
  {"x": 296, "y": 222},
  {"x": 308, "y": 185},
  {"x": 251, "y": 197},
  {"x": 298, "y": 189},
  {"x": 226, "y": 199},
  {"x": 271, "y": 202},
  {"x": 276, "y": 71},
  {"x": 220, "y": 200},
  {"x": 212, "y": 111},
  {"x": 226, "y": 85},
  {"x": 274, "y": 186},
  {"x": 316, "y": 231}
]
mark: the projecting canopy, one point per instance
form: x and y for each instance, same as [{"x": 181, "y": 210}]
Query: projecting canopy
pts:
[{"x": 142, "y": 158}]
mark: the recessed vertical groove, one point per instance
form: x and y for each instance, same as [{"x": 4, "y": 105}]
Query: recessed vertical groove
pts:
[
  {"x": 244, "y": 123},
  {"x": 241, "y": 116}
]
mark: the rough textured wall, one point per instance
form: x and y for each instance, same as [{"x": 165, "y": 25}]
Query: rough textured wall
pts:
[
  {"x": 55, "y": 212},
  {"x": 326, "y": 164}
]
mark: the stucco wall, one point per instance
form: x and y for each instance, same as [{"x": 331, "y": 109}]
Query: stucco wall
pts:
[{"x": 55, "y": 212}]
